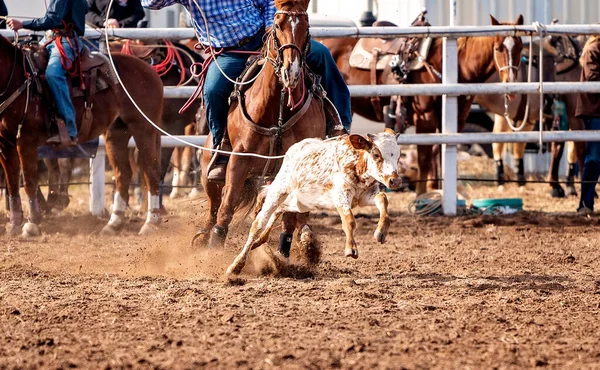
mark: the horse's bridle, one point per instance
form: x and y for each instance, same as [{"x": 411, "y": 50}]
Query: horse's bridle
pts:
[
  {"x": 514, "y": 68},
  {"x": 277, "y": 63}
]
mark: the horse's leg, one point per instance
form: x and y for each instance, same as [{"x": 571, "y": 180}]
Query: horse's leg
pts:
[
  {"x": 518, "y": 150},
  {"x": 149, "y": 149},
  {"x": 12, "y": 170},
  {"x": 53, "y": 180},
  {"x": 500, "y": 125},
  {"x": 425, "y": 124},
  {"x": 176, "y": 160},
  {"x": 288, "y": 220},
  {"x": 261, "y": 227},
  {"x": 65, "y": 171},
  {"x": 118, "y": 155},
  {"x": 572, "y": 160},
  {"x": 557, "y": 149},
  {"x": 237, "y": 172},
  {"x": 29, "y": 163}
]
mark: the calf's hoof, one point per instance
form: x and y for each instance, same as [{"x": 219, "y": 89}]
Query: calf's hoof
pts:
[
  {"x": 351, "y": 252},
  {"x": 148, "y": 229},
  {"x": 30, "y": 230},
  {"x": 379, "y": 237},
  {"x": 234, "y": 270}
]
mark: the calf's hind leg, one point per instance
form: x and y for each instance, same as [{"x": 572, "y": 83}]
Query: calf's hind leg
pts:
[{"x": 261, "y": 227}]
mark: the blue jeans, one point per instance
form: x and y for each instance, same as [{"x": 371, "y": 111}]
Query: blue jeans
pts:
[
  {"x": 57, "y": 81},
  {"x": 591, "y": 167},
  {"x": 217, "y": 88}
]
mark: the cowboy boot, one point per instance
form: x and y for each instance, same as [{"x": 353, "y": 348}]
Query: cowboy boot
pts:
[{"x": 217, "y": 167}]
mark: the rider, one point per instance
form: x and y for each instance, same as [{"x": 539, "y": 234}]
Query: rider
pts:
[
  {"x": 123, "y": 14},
  {"x": 588, "y": 109},
  {"x": 240, "y": 25},
  {"x": 65, "y": 18},
  {"x": 3, "y": 13}
]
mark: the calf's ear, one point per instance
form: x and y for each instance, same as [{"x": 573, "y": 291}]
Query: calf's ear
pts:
[{"x": 359, "y": 142}]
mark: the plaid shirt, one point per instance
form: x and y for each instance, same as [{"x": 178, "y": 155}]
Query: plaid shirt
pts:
[{"x": 229, "y": 21}]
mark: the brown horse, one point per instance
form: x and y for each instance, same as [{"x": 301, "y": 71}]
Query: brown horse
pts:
[
  {"x": 478, "y": 59},
  {"x": 23, "y": 129},
  {"x": 251, "y": 117},
  {"x": 516, "y": 109}
]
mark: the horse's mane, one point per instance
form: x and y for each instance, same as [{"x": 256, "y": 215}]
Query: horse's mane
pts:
[{"x": 280, "y": 4}]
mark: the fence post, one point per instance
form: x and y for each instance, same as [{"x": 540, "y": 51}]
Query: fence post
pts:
[
  {"x": 98, "y": 182},
  {"x": 449, "y": 119}
]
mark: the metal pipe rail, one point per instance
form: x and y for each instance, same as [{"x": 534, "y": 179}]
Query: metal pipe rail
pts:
[
  {"x": 339, "y": 32},
  {"x": 430, "y": 139},
  {"x": 441, "y": 89}
]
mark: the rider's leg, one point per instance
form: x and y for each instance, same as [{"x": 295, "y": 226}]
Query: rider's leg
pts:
[
  {"x": 217, "y": 89},
  {"x": 57, "y": 82},
  {"x": 320, "y": 61}
]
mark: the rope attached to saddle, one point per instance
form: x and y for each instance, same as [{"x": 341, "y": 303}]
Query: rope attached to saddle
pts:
[
  {"x": 172, "y": 58},
  {"x": 72, "y": 66}
]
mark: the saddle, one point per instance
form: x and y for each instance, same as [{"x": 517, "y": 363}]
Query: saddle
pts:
[
  {"x": 401, "y": 54},
  {"x": 97, "y": 76}
]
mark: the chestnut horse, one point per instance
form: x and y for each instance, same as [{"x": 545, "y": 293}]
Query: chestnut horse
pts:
[
  {"x": 250, "y": 118},
  {"x": 114, "y": 115},
  {"x": 478, "y": 59}
]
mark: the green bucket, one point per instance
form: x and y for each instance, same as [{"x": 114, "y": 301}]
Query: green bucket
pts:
[{"x": 498, "y": 205}]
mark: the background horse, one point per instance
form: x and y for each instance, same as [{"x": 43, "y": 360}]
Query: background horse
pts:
[
  {"x": 518, "y": 106},
  {"x": 478, "y": 59},
  {"x": 113, "y": 114},
  {"x": 255, "y": 111}
]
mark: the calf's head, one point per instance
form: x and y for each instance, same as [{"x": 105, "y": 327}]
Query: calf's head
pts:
[{"x": 381, "y": 157}]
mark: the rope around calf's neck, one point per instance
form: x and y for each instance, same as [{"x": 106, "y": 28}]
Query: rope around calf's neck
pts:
[{"x": 160, "y": 129}]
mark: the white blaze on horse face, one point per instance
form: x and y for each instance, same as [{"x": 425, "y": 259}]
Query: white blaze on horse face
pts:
[
  {"x": 509, "y": 44},
  {"x": 295, "y": 67}
]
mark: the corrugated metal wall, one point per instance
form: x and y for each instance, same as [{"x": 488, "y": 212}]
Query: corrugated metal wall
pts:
[{"x": 470, "y": 12}]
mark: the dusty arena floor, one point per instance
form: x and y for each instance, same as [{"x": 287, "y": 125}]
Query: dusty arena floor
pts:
[{"x": 470, "y": 292}]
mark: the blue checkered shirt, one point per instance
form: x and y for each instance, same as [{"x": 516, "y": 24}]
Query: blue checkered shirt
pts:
[{"x": 229, "y": 21}]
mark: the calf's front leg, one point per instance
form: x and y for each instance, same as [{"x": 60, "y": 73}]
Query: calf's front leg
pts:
[
  {"x": 349, "y": 226},
  {"x": 383, "y": 226}
]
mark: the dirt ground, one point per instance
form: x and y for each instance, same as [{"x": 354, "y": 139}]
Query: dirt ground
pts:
[{"x": 469, "y": 292}]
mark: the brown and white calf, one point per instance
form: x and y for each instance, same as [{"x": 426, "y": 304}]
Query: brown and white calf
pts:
[{"x": 339, "y": 173}]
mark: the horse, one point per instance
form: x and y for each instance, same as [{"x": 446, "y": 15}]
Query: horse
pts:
[
  {"x": 113, "y": 115},
  {"x": 173, "y": 67},
  {"x": 259, "y": 116},
  {"x": 521, "y": 109},
  {"x": 478, "y": 59}
]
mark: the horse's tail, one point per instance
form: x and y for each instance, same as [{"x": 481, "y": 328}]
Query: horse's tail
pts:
[{"x": 251, "y": 199}]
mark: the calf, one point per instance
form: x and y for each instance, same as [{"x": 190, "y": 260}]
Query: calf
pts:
[{"x": 339, "y": 173}]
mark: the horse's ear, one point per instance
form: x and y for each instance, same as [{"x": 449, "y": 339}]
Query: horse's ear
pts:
[
  {"x": 360, "y": 143},
  {"x": 494, "y": 21},
  {"x": 519, "y": 21}
]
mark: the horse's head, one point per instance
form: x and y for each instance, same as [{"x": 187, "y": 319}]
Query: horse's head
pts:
[
  {"x": 507, "y": 52},
  {"x": 291, "y": 39}
]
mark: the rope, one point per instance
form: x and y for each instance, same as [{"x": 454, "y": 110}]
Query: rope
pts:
[
  {"x": 160, "y": 129},
  {"x": 525, "y": 120},
  {"x": 426, "y": 204}
]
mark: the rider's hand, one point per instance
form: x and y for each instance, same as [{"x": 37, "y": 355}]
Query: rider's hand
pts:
[
  {"x": 14, "y": 24},
  {"x": 112, "y": 23}
]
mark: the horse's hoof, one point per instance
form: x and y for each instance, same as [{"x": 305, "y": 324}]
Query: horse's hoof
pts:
[
  {"x": 148, "y": 229},
  {"x": 571, "y": 191},
  {"x": 13, "y": 230},
  {"x": 175, "y": 194},
  {"x": 108, "y": 231},
  {"x": 30, "y": 230},
  {"x": 557, "y": 192},
  {"x": 500, "y": 188},
  {"x": 351, "y": 252},
  {"x": 379, "y": 237},
  {"x": 201, "y": 238},
  {"x": 194, "y": 194},
  {"x": 218, "y": 235}
]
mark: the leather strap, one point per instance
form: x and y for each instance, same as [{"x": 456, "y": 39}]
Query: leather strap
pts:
[
  {"x": 65, "y": 140},
  {"x": 88, "y": 116},
  {"x": 5, "y": 104},
  {"x": 375, "y": 100}
]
